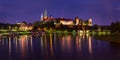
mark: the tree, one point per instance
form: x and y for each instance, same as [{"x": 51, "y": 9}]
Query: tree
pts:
[{"x": 115, "y": 27}]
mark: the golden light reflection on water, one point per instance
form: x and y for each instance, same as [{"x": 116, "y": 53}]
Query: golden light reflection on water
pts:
[
  {"x": 42, "y": 43},
  {"x": 49, "y": 42},
  {"x": 66, "y": 43},
  {"x": 63, "y": 43},
  {"x": 22, "y": 42},
  {"x": 90, "y": 44},
  {"x": 9, "y": 39},
  {"x": 46, "y": 46},
  {"x": 31, "y": 44},
  {"x": 78, "y": 44},
  {"x": 51, "y": 46}
]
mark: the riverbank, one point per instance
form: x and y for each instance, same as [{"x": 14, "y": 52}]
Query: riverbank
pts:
[
  {"x": 109, "y": 38},
  {"x": 7, "y": 32}
]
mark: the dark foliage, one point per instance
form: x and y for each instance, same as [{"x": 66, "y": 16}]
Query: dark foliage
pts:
[
  {"x": 115, "y": 27},
  {"x": 7, "y": 26},
  {"x": 42, "y": 24}
]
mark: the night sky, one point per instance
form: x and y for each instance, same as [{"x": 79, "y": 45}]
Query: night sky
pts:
[{"x": 102, "y": 12}]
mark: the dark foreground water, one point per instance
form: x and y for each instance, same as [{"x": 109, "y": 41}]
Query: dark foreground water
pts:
[{"x": 57, "y": 47}]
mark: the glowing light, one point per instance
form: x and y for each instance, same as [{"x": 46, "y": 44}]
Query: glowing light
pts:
[
  {"x": 51, "y": 47},
  {"x": 67, "y": 22},
  {"x": 90, "y": 44},
  {"x": 77, "y": 21},
  {"x": 90, "y": 22},
  {"x": 78, "y": 43}
]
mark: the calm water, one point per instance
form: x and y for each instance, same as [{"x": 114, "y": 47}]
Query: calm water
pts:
[{"x": 57, "y": 47}]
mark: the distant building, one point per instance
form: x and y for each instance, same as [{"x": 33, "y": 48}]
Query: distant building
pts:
[
  {"x": 90, "y": 22},
  {"x": 77, "y": 21},
  {"x": 45, "y": 15},
  {"x": 41, "y": 17},
  {"x": 64, "y": 21},
  {"x": 67, "y": 22},
  {"x": 24, "y": 26}
]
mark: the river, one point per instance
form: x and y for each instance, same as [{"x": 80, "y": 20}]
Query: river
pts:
[{"x": 57, "y": 46}]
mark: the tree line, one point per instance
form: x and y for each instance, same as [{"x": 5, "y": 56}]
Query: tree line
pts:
[
  {"x": 115, "y": 27},
  {"x": 7, "y": 26}
]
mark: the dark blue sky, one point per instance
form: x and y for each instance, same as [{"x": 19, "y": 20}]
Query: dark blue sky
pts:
[{"x": 101, "y": 11}]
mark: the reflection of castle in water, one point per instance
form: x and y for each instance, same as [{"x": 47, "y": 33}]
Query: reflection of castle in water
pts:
[
  {"x": 66, "y": 42},
  {"x": 49, "y": 43}
]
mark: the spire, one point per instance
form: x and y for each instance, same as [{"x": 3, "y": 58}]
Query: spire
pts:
[
  {"x": 45, "y": 14},
  {"x": 41, "y": 17}
]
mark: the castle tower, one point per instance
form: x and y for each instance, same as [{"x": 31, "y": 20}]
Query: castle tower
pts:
[
  {"x": 77, "y": 20},
  {"x": 45, "y": 15},
  {"x": 41, "y": 17},
  {"x": 90, "y": 22}
]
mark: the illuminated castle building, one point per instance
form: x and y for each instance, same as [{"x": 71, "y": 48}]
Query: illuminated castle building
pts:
[
  {"x": 63, "y": 21},
  {"x": 23, "y": 26}
]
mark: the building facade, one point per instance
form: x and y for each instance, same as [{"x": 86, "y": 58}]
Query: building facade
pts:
[{"x": 23, "y": 26}]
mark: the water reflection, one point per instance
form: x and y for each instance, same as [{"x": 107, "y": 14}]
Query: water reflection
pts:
[
  {"x": 78, "y": 44},
  {"x": 90, "y": 44},
  {"x": 9, "y": 39},
  {"x": 52, "y": 47}
]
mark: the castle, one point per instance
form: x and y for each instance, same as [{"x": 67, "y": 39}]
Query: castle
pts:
[
  {"x": 63, "y": 21},
  {"x": 77, "y": 23}
]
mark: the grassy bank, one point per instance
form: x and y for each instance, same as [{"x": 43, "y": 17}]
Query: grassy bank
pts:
[
  {"x": 6, "y": 32},
  {"x": 109, "y": 38},
  {"x": 60, "y": 31}
]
